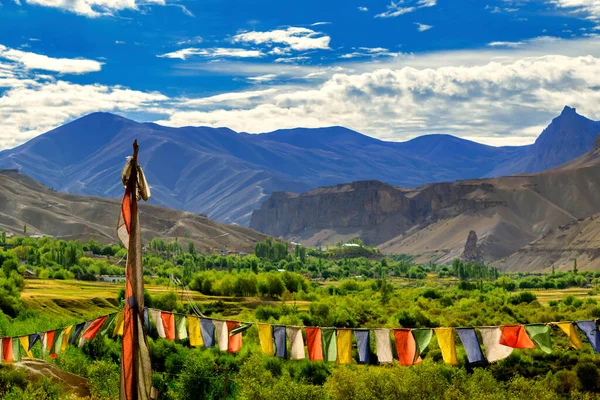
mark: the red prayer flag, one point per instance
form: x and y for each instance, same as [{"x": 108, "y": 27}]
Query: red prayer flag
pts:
[
  {"x": 124, "y": 225},
  {"x": 7, "y": 350},
  {"x": 168, "y": 320},
  {"x": 235, "y": 342},
  {"x": 314, "y": 344},
  {"x": 516, "y": 336},
  {"x": 89, "y": 333},
  {"x": 406, "y": 347}
]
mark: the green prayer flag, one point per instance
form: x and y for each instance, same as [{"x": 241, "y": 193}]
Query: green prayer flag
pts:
[
  {"x": 108, "y": 325},
  {"x": 239, "y": 329},
  {"x": 329, "y": 344},
  {"x": 180, "y": 327},
  {"x": 540, "y": 334},
  {"x": 56, "y": 346},
  {"x": 16, "y": 345},
  {"x": 422, "y": 338}
]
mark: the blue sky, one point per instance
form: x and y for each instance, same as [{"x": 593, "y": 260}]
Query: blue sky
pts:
[{"x": 492, "y": 71}]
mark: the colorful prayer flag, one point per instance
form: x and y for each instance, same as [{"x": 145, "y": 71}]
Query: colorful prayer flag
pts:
[
  {"x": 195, "y": 332},
  {"x": 279, "y": 339},
  {"x": 445, "y": 337},
  {"x": 383, "y": 345},
  {"x": 66, "y": 337},
  {"x": 265, "y": 336},
  {"x": 234, "y": 343},
  {"x": 406, "y": 347},
  {"x": 470, "y": 342},
  {"x": 363, "y": 340},
  {"x": 294, "y": 334},
  {"x": 329, "y": 344},
  {"x": 181, "y": 329},
  {"x": 590, "y": 329},
  {"x": 156, "y": 317},
  {"x": 515, "y": 336},
  {"x": 168, "y": 320},
  {"x": 344, "y": 346},
  {"x": 108, "y": 325},
  {"x": 422, "y": 338},
  {"x": 7, "y": 350},
  {"x": 208, "y": 332},
  {"x": 494, "y": 351},
  {"x": 569, "y": 329},
  {"x": 92, "y": 330},
  {"x": 56, "y": 343},
  {"x": 540, "y": 334},
  {"x": 49, "y": 342},
  {"x": 75, "y": 335},
  {"x": 119, "y": 325},
  {"x": 25, "y": 343},
  {"x": 314, "y": 343},
  {"x": 222, "y": 334},
  {"x": 82, "y": 340},
  {"x": 33, "y": 339}
]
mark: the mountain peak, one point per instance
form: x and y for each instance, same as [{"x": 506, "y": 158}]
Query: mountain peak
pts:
[{"x": 569, "y": 111}]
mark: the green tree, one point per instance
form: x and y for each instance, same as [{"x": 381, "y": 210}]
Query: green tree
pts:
[{"x": 24, "y": 229}]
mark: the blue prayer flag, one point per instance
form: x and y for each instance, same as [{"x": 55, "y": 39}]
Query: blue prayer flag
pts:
[
  {"x": 363, "y": 338},
  {"x": 279, "y": 337},
  {"x": 470, "y": 342},
  {"x": 76, "y": 332},
  {"x": 208, "y": 332},
  {"x": 34, "y": 337},
  {"x": 590, "y": 328}
]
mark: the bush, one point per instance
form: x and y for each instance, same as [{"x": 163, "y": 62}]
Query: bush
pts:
[
  {"x": 588, "y": 375},
  {"x": 103, "y": 379}
]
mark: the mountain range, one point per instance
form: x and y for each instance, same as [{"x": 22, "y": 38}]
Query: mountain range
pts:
[{"x": 226, "y": 175}]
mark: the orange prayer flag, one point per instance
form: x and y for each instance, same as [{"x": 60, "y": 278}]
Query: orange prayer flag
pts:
[
  {"x": 235, "y": 342},
  {"x": 406, "y": 347},
  {"x": 7, "y": 350},
  {"x": 168, "y": 320},
  {"x": 89, "y": 333},
  {"x": 515, "y": 336},
  {"x": 314, "y": 344}
]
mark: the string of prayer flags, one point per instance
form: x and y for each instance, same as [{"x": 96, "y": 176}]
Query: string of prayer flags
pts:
[
  {"x": 383, "y": 345},
  {"x": 406, "y": 347},
  {"x": 294, "y": 334},
  {"x": 470, "y": 342},
  {"x": 168, "y": 321},
  {"x": 344, "y": 346},
  {"x": 156, "y": 317},
  {"x": 363, "y": 340},
  {"x": 445, "y": 337},
  {"x": 25, "y": 343},
  {"x": 494, "y": 351},
  {"x": 590, "y": 329},
  {"x": 208, "y": 332},
  {"x": 265, "y": 337},
  {"x": 279, "y": 339},
  {"x": 234, "y": 340},
  {"x": 329, "y": 344},
  {"x": 540, "y": 335},
  {"x": 195, "y": 332},
  {"x": 569, "y": 329},
  {"x": 515, "y": 336},
  {"x": 180, "y": 327},
  {"x": 314, "y": 343}
]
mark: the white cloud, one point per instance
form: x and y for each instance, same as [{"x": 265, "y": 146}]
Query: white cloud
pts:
[
  {"x": 363, "y": 9},
  {"x": 262, "y": 78},
  {"x": 395, "y": 10},
  {"x": 93, "y": 8},
  {"x": 119, "y": 42},
  {"x": 229, "y": 97},
  {"x": 213, "y": 52},
  {"x": 506, "y": 44},
  {"x": 42, "y": 62},
  {"x": 296, "y": 38},
  {"x": 320, "y": 23},
  {"x": 291, "y": 60},
  {"x": 423, "y": 27},
  {"x": 427, "y": 3},
  {"x": 591, "y": 8},
  {"x": 370, "y": 52},
  {"x": 193, "y": 40}
]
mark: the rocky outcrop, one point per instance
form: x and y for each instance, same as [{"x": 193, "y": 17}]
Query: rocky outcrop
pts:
[{"x": 472, "y": 253}]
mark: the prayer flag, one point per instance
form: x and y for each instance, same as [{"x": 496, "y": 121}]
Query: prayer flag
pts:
[
  {"x": 470, "y": 342},
  {"x": 234, "y": 343},
  {"x": 590, "y": 329},
  {"x": 296, "y": 343},
  {"x": 569, "y": 329},
  {"x": 195, "y": 332},
  {"x": 314, "y": 343},
  {"x": 78, "y": 330},
  {"x": 146, "y": 319},
  {"x": 50, "y": 342},
  {"x": 383, "y": 345},
  {"x": 265, "y": 336},
  {"x": 279, "y": 339},
  {"x": 329, "y": 344},
  {"x": 540, "y": 334},
  {"x": 44, "y": 343},
  {"x": 93, "y": 329},
  {"x": 239, "y": 329},
  {"x": 445, "y": 337},
  {"x": 168, "y": 320},
  {"x": 66, "y": 337},
  {"x": 119, "y": 324},
  {"x": 422, "y": 339},
  {"x": 16, "y": 350},
  {"x": 181, "y": 330},
  {"x": 33, "y": 339},
  {"x": 56, "y": 343},
  {"x": 222, "y": 334},
  {"x": 494, "y": 351},
  {"x": 82, "y": 340},
  {"x": 108, "y": 325},
  {"x": 406, "y": 347},
  {"x": 344, "y": 346},
  {"x": 208, "y": 332},
  {"x": 515, "y": 336},
  {"x": 363, "y": 340},
  {"x": 7, "y": 350},
  {"x": 160, "y": 329},
  {"x": 25, "y": 343}
]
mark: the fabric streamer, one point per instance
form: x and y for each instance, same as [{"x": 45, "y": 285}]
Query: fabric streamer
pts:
[
  {"x": 33, "y": 339},
  {"x": 294, "y": 333},
  {"x": 314, "y": 343},
  {"x": 569, "y": 329},
  {"x": 49, "y": 342},
  {"x": 7, "y": 350},
  {"x": 329, "y": 344},
  {"x": 344, "y": 346},
  {"x": 363, "y": 340},
  {"x": 590, "y": 329},
  {"x": 222, "y": 334},
  {"x": 234, "y": 342},
  {"x": 16, "y": 347},
  {"x": 92, "y": 330},
  {"x": 65, "y": 338},
  {"x": 515, "y": 336},
  {"x": 119, "y": 325},
  {"x": 208, "y": 332},
  {"x": 74, "y": 336},
  {"x": 25, "y": 343},
  {"x": 445, "y": 337},
  {"x": 540, "y": 335},
  {"x": 168, "y": 320},
  {"x": 494, "y": 351},
  {"x": 180, "y": 327},
  {"x": 422, "y": 339},
  {"x": 108, "y": 325},
  {"x": 195, "y": 332},
  {"x": 470, "y": 342},
  {"x": 383, "y": 345},
  {"x": 56, "y": 342},
  {"x": 44, "y": 343},
  {"x": 265, "y": 336},
  {"x": 406, "y": 347},
  {"x": 146, "y": 319},
  {"x": 156, "y": 317},
  {"x": 279, "y": 339}
]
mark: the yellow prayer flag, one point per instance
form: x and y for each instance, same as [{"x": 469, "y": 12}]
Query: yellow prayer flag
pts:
[
  {"x": 195, "y": 333},
  {"x": 344, "y": 346},
  {"x": 119, "y": 323},
  {"x": 445, "y": 338},
  {"x": 25, "y": 343},
  {"x": 265, "y": 335},
  {"x": 65, "y": 338},
  {"x": 569, "y": 330}
]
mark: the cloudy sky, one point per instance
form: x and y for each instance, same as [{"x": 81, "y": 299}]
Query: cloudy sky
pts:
[{"x": 493, "y": 71}]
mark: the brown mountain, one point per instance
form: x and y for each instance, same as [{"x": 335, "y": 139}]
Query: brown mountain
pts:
[
  {"x": 434, "y": 221},
  {"x": 26, "y": 202}
]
